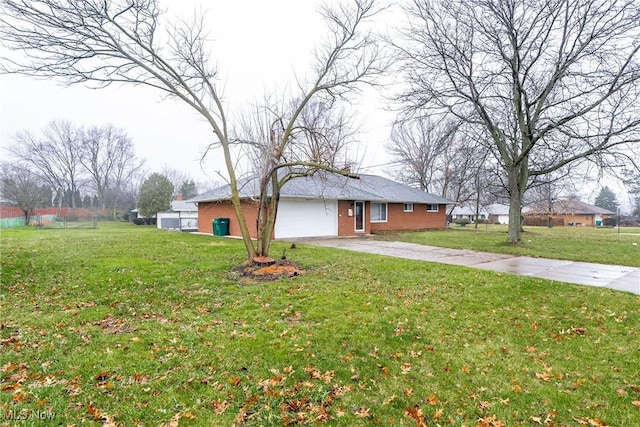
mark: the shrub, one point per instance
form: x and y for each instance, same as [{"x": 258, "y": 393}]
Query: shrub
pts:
[{"x": 462, "y": 222}]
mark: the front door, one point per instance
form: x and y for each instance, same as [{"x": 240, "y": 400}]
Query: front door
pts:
[{"x": 359, "y": 217}]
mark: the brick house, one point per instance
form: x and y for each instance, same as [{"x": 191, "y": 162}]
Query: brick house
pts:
[
  {"x": 571, "y": 212},
  {"x": 330, "y": 205}
]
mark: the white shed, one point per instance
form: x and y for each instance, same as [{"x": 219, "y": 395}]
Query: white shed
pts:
[{"x": 183, "y": 216}]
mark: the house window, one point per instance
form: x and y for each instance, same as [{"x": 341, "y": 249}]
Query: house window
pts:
[
  {"x": 407, "y": 207},
  {"x": 432, "y": 208},
  {"x": 378, "y": 212}
]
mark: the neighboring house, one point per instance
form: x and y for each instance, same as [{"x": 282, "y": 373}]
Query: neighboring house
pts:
[
  {"x": 468, "y": 212},
  {"x": 329, "y": 205},
  {"x": 569, "y": 212},
  {"x": 181, "y": 216},
  {"x": 498, "y": 214}
]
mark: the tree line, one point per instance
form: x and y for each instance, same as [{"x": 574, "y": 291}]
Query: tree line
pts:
[{"x": 70, "y": 166}]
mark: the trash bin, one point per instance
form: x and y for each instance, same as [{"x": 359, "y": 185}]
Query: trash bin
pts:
[
  {"x": 221, "y": 226},
  {"x": 598, "y": 223}
]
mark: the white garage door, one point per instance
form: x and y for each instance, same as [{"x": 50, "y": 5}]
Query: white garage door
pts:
[{"x": 306, "y": 218}]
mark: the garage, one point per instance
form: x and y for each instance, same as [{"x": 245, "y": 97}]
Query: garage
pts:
[{"x": 306, "y": 218}]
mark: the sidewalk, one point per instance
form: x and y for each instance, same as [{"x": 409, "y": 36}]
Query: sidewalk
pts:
[{"x": 616, "y": 277}]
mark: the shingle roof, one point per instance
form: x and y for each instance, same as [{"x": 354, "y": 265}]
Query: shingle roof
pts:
[
  {"x": 571, "y": 206},
  {"x": 182, "y": 206},
  {"x": 497, "y": 209},
  {"x": 334, "y": 187},
  {"x": 467, "y": 210}
]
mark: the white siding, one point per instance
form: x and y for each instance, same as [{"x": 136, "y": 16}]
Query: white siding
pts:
[
  {"x": 168, "y": 220},
  {"x": 306, "y": 218}
]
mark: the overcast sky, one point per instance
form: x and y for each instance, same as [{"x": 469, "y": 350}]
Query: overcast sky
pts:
[{"x": 260, "y": 47}]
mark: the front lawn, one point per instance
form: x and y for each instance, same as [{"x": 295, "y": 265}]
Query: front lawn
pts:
[
  {"x": 599, "y": 245},
  {"x": 127, "y": 325}
]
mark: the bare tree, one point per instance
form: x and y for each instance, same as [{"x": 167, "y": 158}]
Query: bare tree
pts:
[
  {"x": 546, "y": 190},
  {"x": 317, "y": 139},
  {"x": 106, "y": 153},
  {"x": 550, "y": 82},
  {"x": 55, "y": 155},
  {"x": 105, "y": 42},
  {"x": 177, "y": 177},
  {"x": 440, "y": 157},
  {"x": 419, "y": 147},
  {"x": 130, "y": 180},
  {"x": 23, "y": 188}
]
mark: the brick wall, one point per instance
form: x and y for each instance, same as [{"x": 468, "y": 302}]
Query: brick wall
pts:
[
  {"x": 207, "y": 211},
  {"x": 586, "y": 220},
  {"x": 397, "y": 219},
  {"x": 346, "y": 223},
  {"x": 419, "y": 219}
]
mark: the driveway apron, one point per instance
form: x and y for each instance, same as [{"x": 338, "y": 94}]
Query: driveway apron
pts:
[{"x": 621, "y": 278}]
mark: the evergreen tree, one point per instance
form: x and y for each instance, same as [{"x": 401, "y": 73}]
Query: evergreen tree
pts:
[
  {"x": 635, "y": 209},
  {"x": 155, "y": 196},
  {"x": 188, "y": 189},
  {"x": 67, "y": 200},
  {"x": 606, "y": 199},
  {"x": 47, "y": 197},
  {"x": 633, "y": 185}
]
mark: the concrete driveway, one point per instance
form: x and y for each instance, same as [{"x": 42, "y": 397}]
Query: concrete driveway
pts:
[{"x": 616, "y": 277}]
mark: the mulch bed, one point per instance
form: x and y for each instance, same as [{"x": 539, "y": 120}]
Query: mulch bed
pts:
[{"x": 264, "y": 269}]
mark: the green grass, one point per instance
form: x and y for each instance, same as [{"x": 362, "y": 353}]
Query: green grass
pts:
[
  {"x": 599, "y": 245},
  {"x": 129, "y": 325}
]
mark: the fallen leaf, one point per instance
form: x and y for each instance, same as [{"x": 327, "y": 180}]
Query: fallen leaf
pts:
[
  {"x": 220, "y": 406},
  {"x": 389, "y": 399},
  {"x": 93, "y": 411},
  {"x": 484, "y": 405},
  {"x": 438, "y": 414},
  {"x": 545, "y": 376},
  {"x": 362, "y": 413},
  {"x": 174, "y": 422},
  {"x": 416, "y": 413}
]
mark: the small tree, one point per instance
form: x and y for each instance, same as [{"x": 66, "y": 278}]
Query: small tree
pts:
[
  {"x": 23, "y": 188},
  {"x": 155, "y": 196},
  {"x": 606, "y": 199}
]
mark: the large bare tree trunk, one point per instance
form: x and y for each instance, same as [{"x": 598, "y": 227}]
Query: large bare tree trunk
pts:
[{"x": 517, "y": 181}]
